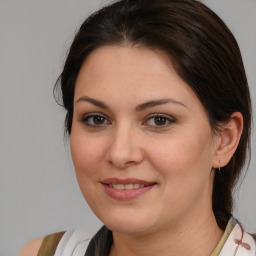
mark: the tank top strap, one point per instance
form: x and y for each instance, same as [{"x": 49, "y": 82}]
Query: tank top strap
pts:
[
  {"x": 50, "y": 244},
  {"x": 69, "y": 243},
  {"x": 73, "y": 243}
]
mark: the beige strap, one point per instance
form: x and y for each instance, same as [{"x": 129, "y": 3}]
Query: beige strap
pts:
[{"x": 50, "y": 244}]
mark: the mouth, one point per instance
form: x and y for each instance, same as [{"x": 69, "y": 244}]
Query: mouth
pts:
[
  {"x": 126, "y": 189},
  {"x": 127, "y": 186}
]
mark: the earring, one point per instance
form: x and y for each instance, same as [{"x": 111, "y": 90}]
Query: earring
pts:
[{"x": 219, "y": 170}]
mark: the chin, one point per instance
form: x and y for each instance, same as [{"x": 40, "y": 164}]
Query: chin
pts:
[
  {"x": 127, "y": 228},
  {"x": 128, "y": 224}
]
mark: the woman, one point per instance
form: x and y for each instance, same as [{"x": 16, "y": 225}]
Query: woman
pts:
[{"x": 159, "y": 116}]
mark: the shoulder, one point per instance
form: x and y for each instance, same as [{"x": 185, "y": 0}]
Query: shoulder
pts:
[
  {"x": 42, "y": 246},
  {"x": 31, "y": 248}
]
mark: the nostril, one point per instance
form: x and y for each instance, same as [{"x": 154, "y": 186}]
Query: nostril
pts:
[{"x": 129, "y": 162}]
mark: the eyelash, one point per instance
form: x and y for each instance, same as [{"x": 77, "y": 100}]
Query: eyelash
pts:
[
  {"x": 167, "y": 120},
  {"x": 90, "y": 117},
  {"x": 86, "y": 119}
]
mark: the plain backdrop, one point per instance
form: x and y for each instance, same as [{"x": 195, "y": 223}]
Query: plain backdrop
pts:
[{"x": 38, "y": 190}]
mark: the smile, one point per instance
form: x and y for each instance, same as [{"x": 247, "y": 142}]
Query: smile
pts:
[
  {"x": 127, "y": 189},
  {"x": 127, "y": 186}
]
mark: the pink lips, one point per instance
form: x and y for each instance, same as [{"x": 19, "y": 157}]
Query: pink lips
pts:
[{"x": 126, "y": 194}]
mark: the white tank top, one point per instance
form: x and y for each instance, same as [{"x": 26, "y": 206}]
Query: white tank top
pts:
[{"x": 73, "y": 243}]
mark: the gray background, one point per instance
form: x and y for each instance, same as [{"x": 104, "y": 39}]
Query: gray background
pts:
[{"x": 38, "y": 190}]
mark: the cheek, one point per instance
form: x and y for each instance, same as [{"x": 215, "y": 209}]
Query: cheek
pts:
[
  {"x": 172, "y": 153},
  {"x": 86, "y": 154},
  {"x": 183, "y": 159},
  {"x": 184, "y": 168}
]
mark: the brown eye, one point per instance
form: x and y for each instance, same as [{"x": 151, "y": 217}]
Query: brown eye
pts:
[
  {"x": 98, "y": 120},
  {"x": 159, "y": 120},
  {"x": 94, "y": 120}
]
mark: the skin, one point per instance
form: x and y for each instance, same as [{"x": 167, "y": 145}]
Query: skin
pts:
[
  {"x": 180, "y": 155},
  {"x": 31, "y": 248},
  {"x": 115, "y": 135}
]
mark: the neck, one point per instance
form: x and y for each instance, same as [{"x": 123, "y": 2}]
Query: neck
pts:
[{"x": 195, "y": 238}]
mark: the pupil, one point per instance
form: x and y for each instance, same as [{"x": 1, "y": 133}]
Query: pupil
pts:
[
  {"x": 98, "y": 120},
  {"x": 160, "y": 120}
]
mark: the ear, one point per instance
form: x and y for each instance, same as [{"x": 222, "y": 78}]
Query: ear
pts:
[{"x": 229, "y": 137}]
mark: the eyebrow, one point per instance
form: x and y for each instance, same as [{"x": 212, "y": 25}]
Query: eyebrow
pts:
[
  {"x": 93, "y": 101},
  {"x": 153, "y": 103},
  {"x": 141, "y": 107}
]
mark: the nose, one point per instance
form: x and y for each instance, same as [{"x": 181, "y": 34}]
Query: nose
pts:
[{"x": 124, "y": 148}]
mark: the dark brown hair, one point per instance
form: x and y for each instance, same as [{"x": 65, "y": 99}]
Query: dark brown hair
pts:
[{"x": 204, "y": 53}]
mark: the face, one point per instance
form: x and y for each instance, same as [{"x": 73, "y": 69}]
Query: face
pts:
[{"x": 141, "y": 143}]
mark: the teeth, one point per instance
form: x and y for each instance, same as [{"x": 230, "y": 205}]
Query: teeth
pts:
[
  {"x": 137, "y": 185},
  {"x": 118, "y": 186},
  {"x": 126, "y": 187}
]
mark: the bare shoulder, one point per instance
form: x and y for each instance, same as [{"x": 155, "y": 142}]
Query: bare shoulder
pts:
[{"x": 31, "y": 248}]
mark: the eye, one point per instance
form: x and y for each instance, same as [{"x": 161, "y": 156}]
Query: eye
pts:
[
  {"x": 159, "y": 120},
  {"x": 95, "y": 120}
]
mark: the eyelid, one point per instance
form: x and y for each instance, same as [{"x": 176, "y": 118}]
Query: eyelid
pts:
[
  {"x": 94, "y": 114},
  {"x": 169, "y": 118}
]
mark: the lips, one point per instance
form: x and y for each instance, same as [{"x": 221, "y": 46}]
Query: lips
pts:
[
  {"x": 127, "y": 181},
  {"x": 126, "y": 189},
  {"x": 126, "y": 186}
]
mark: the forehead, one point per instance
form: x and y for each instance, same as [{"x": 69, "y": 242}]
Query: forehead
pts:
[
  {"x": 127, "y": 60},
  {"x": 130, "y": 72}
]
